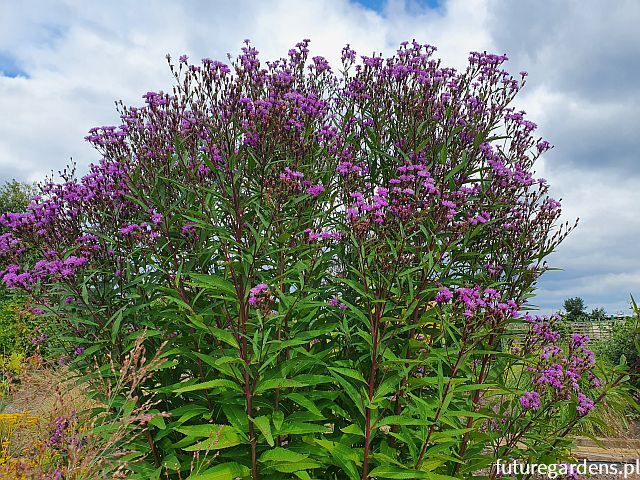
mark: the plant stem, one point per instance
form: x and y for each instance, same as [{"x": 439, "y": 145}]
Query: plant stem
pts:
[{"x": 372, "y": 378}]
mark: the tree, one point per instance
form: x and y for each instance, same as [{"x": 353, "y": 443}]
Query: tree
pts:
[
  {"x": 15, "y": 196},
  {"x": 575, "y": 309},
  {"x": 598, "y": 314}
]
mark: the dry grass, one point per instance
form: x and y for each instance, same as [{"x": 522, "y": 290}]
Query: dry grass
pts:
[
  {"x": 45, "y": 394},
  {"x": 47, "y": 424},
  {"x": 28, "y": 421}
]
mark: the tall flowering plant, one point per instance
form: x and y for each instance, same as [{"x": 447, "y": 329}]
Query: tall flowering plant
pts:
[{"x": 329, "y": 263}]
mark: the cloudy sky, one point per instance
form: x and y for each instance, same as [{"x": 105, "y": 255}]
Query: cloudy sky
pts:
[{"x": 64, "y": 63}]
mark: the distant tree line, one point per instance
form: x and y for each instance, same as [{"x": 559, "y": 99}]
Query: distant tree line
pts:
[{"x": 576, "y": 311}]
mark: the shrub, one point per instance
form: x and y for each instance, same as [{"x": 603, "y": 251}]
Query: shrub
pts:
[
  {"x": 19, "y": 332},
  {"x": 624, "y": 346},
  {"x": 15, "y": 196},
  {"x": 320, "y": 268}
]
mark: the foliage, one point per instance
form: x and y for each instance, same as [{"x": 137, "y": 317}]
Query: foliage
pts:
[
  {"x": 575, "y": 309},
  {"x": 623, "y": 348},
  {"x": 19, "y": 332},
  {"x": 15, "y": 196},
  {"x": 610, "y": 418},
  {"x": 312, "y": 272}
]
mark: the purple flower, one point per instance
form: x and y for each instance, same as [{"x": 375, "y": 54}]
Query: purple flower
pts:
[
  {"x": 530, "y": 400},
  {"x": 257, "y": 294},
  {"x": 39, "y": 338},
  {"x": 322, "y": 235},
  {"x": 443, "y": 295},
  {"x": 315, "y": 190},
  {"x": 127, "y": 230},
  {"x": 543, "y": 146},
  {"x": 188, "y": 229},
  {"x": 335, "y": 302},
  {"x": 585, "y": 404},
  {"x": 259, "y": 288},
  {"x": 156, "y": 217},
  {"x": 578, "y": 341}
]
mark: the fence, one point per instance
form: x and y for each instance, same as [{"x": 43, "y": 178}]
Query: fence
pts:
[{"x": 594, "y": 329}]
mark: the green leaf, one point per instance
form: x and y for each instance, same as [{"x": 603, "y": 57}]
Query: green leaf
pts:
[
  {"x": 291, "y": 467},
  {"x": 309, "y": 379},
  {"x": 224, "y": 471},
  {"x": 388, "y": 386},
  {"x": 218, "y": 383},
  {"x": 280, "y": 454},
  {"x": 304, "y": 401},
  {"x": 236, "y": 416},
  {"x": 353, "y": 429},
  {"x": 115, "y": 328},
  {"x": 287, "y": 461},
  {"x": 214, "y": 282},
  {"x": 349, "y": 372},
  {"x": 273, "y": 383},
  {"x": 158, "y": 422},
  {"x": 389, "y": 471},
  {"x": 264, "y": 426},
  {"x": 345, "y": 457},
  {"x": 403, "y": 420},
  {"x": 354, "y": 285},
  {"x": 171, "y": 462},
  {"x": 277, "y": 418},
  {"x": 220, "y": 436},
  {"x": 356, "y": 398},
  {"x": 220, "y": 334},
  {"x": 301, "y": 428}
]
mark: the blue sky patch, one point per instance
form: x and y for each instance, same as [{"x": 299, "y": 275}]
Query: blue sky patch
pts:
[
  {"x": 378, "y": 5},
  {"x": 9, "y": 66}
]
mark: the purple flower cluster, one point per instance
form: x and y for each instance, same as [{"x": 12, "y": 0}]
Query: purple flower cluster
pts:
[
  {"x": 292, "y": 178},
  {"x": 42, "y": 270},
  {"x": 530, "y": 400},
  {"x": 336, "y": 302},
  {"x": 38, "y": 337},
  {"x": 585, "y": 404},
  {"x": 188, "y": 229},
  {"x": 258, "y": 294},
  {"x": 475, "y": 300},
  {"x": 315, "y": 236},
  {"x": 315, "y": 190},
  {"x": 444, "y": 295},
  {"x": 564, "y": 375},
  {"x": 60, "y": 430}
]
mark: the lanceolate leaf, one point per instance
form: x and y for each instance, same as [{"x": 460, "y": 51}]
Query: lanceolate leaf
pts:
[{"x": 224, "y": 471}]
